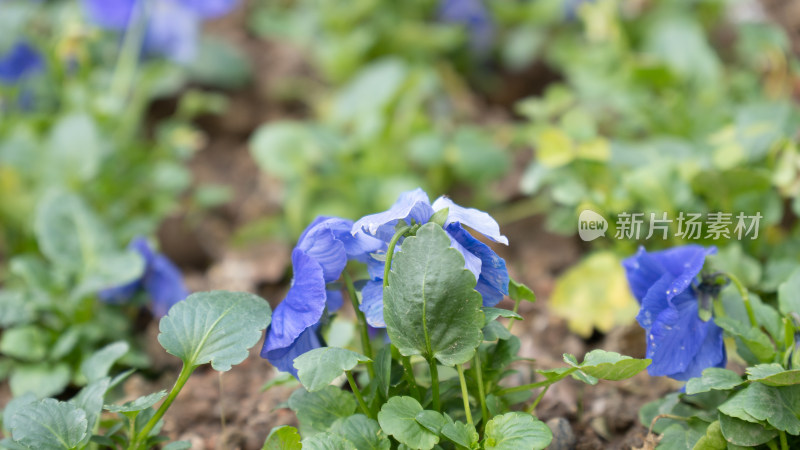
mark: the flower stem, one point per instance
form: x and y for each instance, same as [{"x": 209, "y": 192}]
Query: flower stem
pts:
[
  {"x": 366, "y": 347},
  {"x": 364, "y": 408},
  {"x": 435, "y": 384},
  {"x": 476, "y": 366},
  {"x": 784, "y": 442},
  {"x": 390, "y": 253},
  {"x": 408, "y": 373},
  {"x": 745, "y": 298},
  {"x": 511, "y": 320},
  {"x": 535, "y": 403},
  {"x": 183, "y": 377},
  {"x": 125, "y": 68},
  {"x": 464, "y": 392}
]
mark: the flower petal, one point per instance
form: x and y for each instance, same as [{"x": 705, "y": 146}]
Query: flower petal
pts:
[
  {"x": 411, "y": 205},
  {"x": 21, "y": 61},
  {"x": 357, "y": 247},
  {"x": 333, "y": 299},
  {"x": 683, "y": 263},
  {"x": 164, "y": 284},
  {"x": 711, "y": 354},
  {"x": 493, "y": 279},
  {"x": 479, "y": 221},
  {"x": 319, "y": 243},
  {"x": 110, "y": 14},
  {"x": 172, "y": 31},
  {"x": 676, "y": 338},
  {"x": 303, "y": 305},
  {"x": 210, "y": 9},
  {"x": 372, "y": 303},
  {"x": 120, "y": 294},
  {"x": 283, "y": 358},
  {"x": 471, "y": 262}
]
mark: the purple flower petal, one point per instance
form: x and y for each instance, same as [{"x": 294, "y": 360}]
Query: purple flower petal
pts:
[
  {"x": 210, "y": 9},
  {"x": 411, "y": 205},
  {"x": 319, "y": 243},
  {"x": 20, "y": 62},
  {"x": 283, "y": 358},
  {"x": 477, "y": 220},
  {"x": 164, "y": 284},
  {"x": 372, "y": 303},
  {"x": 110, "y": 14},
  {"x": 493, "y": 279},
  {"x": 172, "y": 31}
]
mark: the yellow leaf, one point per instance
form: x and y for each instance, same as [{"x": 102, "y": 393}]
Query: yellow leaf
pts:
[
  {"x": 594, "y": 294},
  {"x": 595, "y": 150},
  {"x": 554, "y": 148}
]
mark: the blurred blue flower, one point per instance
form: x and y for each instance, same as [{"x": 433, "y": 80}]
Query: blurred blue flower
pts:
[
  {"x": 679, "y": 342},
  {"x": 161, "y": 280},
  {"x": 475, "y": 17},
  {"x": 319, "y": 258},
  {"x": 172, "y": 26},
  {"x": 414, "y": 207},
  {"x": 20, "y": 62}
]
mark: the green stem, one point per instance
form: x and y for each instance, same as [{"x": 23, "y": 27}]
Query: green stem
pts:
[
  {"x": 364, "y": 408},
  {"x": 538, "y": 384},
  {"x": 366, "y": 347},
  {"x": 481, "y": 388},
  {"x": 129, "y": 54},
  {"x": 784, "y": 442},
  {"x": 390, "y": 253},
  {"x": 745, "y": 298},
  {"x": 408, "y": 372},
  {"x": 535, "y": 403},
  {"x": 435, "y": 385},
  {"x": 511, "y": 320},
  {"x": 183, "y": 377},
  {"x": 464, "y": 392}
]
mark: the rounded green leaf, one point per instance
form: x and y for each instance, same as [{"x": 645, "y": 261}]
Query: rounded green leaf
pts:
[
  {"x": 97, "y": 366},
  {"x": 363, "y": 432},
  {"x": 49, "y": 424},
  {"x": 319, "y": 367},
  {"x": 773, "y": 375},
  {"x": 283, "y": 438},
  {"x": 217, "y": 327},
  {"x": 516, "y": 430},
  {"x": 317, "y": 411},
  {"x": 713, "y": 378},
  {"x": 327, "y": 441},
  {"x": 740, "y": 432},
  {"x": 462, "y": 434},
  {"x": 758, "y": 403},
  {"x": 398, "y": 417},
  {"x": 430, "y": 305}
]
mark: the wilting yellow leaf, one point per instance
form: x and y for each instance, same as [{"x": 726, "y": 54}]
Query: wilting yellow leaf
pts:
[{"x": 594, "y": 294}]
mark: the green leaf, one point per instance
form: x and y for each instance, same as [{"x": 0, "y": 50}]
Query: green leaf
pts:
[
  {"x": 494, "y": 331},
  {"x": 758, "y": 402},
  {"x": 49, "y": 424},
  {"x": 90, "y": 400},
  {"x": 746, "y": 433},
  {"x": 110, "y": 269},
  {"x": 74, "y": 150},
  {"x": 756, "y": 340},
  {"x": 773, "y": 375},
  {"x": 139, "y": 404},
  {"x": 14, "y": 309},
  {"x": 43, "y": 380},
  {"x": 713, "y": 439},
  {"x": 609, "y": 365},
  {"x": 319, "y": 367},
  {"x": 15, "y": 404},
  {"x": 217, "y": 327},
  {"x": 789, "y": 294},
  {"x": 491, "y": 314},
  {"x": 431, "y": 307},
  {"x": 364, "y": 433},
  {"x": 283, "y": 438},
  {"x": 713, "y": 378},
  {"x": 317, "y": 411},
  {"x": 285, "y": 149},
  {"x": 220, "y": 64},
  {"x": 99, "y": 364},
  {"x": 327, "y": 441},
  {"x": 594, "y": 294},
  {"x": 383, "y": 370},
  {"x": 178, "y": 445},
  {"x": 398, "y": 418},
  {"x": 519, "y": 291},
  {"x": 462, "y": 434},
  {"x": 26, "y": 343},
  {"x": 68, "y": 233},
  {"x": 516, "y": 430},
  {"x": 432, "y": 420}
]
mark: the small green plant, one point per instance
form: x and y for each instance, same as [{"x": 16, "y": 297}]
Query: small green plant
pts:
[{"x": 214, "y": 328}]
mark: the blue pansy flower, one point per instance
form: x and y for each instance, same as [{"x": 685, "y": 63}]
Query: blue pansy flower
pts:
[
  {"x": 172, "y": 26},
  {"x": 319, "y": 258},
  {"x": 475, "y": 17},
  {"x": 161, "y": 280},
  {"x": 414, "y": 207},
  {"x": 679, "y": 342},
  {"x": 20, "y": 62}
]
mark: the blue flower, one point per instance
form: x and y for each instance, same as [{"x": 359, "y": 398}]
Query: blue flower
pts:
[
  {"x": 20, "y": 62},
  {"x": 319, "y": 258},
  {"x": 161, "y": 280},
  {"x": 679, "y": 342},
  {"x": 171, "y": 26},
  {"x": 474, "y": 16},
  {"x": 414, "y": 207}
]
